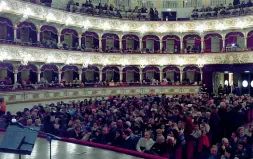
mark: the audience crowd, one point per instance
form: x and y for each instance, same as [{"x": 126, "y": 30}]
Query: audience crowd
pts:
[
  {"x": 236, "y": 9},
  {"x": 63, "y": 45},
  {"x": 104, "y": 10},
  {"x": 208, "y": 126},
  {"x": 113, "y": 12},
  {"x": 31, "y": 83}
]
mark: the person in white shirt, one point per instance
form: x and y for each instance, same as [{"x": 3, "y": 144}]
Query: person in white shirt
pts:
[{"x": 145, "y": 143}]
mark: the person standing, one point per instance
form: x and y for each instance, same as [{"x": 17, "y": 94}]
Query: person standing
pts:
[{"x": 2, "y": 106}]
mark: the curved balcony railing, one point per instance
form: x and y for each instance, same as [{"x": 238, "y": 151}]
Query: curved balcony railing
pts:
[
  {"x": 33, "y": 11},
  {"x": 35, "y": 54}
]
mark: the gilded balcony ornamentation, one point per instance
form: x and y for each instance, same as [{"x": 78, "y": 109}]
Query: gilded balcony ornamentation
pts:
[{"x": 42, "y": 13}]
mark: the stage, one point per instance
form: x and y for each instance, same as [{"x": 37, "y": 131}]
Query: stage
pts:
[{"x": 64, "y": 150}]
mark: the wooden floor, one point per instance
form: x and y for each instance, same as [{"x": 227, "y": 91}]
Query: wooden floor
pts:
[{"x": 63, "y": 150}]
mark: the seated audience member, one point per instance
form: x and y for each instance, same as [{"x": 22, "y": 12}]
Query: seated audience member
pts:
[
  {"x": 76, "y": 133},
  {"x": 160, "y": 147},
  {"x": 117, "y": 139},
  {"x": 225, "y": 149},
  {"x": 241, "y": 134},
  {"x": 77, "y": 47},
  {"x": 249, "y": 131},
  {"x": 145, "y": 143},
  {"x": 204, "y": 127},
  {"x": 60, "y": 45},
  {"x": 121, "y": 120},
  {"x": 129, "y": 142},
  {"x": 196, "y": 133},
  {"x": 213, "y": 154},
  {"x": 8, "y": 38},
  {"x": 241, "y": 151},
  {"x": 101, "y": 136},
  {"x": 83, "y": 47}
]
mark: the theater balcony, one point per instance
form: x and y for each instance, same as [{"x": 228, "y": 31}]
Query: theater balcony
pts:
[{"x": 39, "y": 42}]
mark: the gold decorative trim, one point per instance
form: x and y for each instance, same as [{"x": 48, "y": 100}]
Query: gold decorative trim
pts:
[
  {"x": 40, "y": 55},
  {"x": 52, "y": 15}
]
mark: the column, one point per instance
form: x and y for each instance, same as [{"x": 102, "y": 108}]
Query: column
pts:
[
  {"x": 181, "y": 74},
  {"x": 161, "y": 75},
  {"x": 141, "y": 44},
  {"x": 180, "y": 3},
  {"x": 245, "y": 43},
  {"x": 38, "y": 74},
  {"x": 206, "y": 3},
  {"x": 202, "y": 44},
  {"x": 80, "y": 40},
  {"x": 100, "y": 74},
  {"x": 100, "y": 41},
  {"x": 120, "y": 42},
  {"x": 15, "y": 76},
  {"x": 161, "y": 45},
  {"x": 223, "y": 44},
  {"x": 59, "y": 38},
  {"x": 38, "y": 36},
  {"x": 59, "y": 35},
  {"x": 181, "y": 45},
  {"x": 15, "y": 33},
  {"x": 80, "y": 73},
  {"x": 59, "y": 76},
  {"x": 120, "y": 74},
  {"x": 141, "y": 77},
  {"x": 201, "y": 75}
]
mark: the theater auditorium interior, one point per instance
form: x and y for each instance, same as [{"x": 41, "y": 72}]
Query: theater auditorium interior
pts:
[{"x": 126, "y": 79}]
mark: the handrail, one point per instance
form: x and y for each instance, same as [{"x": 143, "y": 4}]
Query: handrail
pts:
[
  {"x": 30, "y": 87},
  {"x": 35, "y": 45},
  {"x": 189, "y": 26},
  {"x": 106, "y": 147}
]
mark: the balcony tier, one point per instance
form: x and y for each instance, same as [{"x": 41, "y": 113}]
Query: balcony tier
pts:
[
  {"x": 47, "y": 14},
  {"x": 35, "y": 54}
]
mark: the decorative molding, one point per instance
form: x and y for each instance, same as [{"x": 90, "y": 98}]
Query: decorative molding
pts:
[
  {"x": 39, "y": 12},
  {"x": 59, "y": 94},
  {"x": 40, "y": 55}
]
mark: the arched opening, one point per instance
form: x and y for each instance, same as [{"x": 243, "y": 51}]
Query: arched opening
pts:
[
  {"x": 110, "y": 42},
  {"x": 151, "y": 44},
  {"x": 192, "y": 43},
  {"x": 48, "y": 37},
  {"x": 27, "y": 33},
  {"x": 90, "y": 41}
]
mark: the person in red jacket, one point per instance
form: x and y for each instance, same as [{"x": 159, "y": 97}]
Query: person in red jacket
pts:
[{"x": 2, "y": 106}]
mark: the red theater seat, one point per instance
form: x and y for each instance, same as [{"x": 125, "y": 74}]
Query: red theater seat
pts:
[
  {"x": 179, "y": 153},
  {"x": 190, "y": 149}
]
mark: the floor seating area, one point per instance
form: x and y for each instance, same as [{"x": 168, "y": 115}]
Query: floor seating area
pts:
[{"x": 178, "y": 127}]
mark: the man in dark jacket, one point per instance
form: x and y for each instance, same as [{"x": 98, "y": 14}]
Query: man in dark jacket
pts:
[
  {"x": 129, "y": 142},
  {"x": 215, "y": 126}
]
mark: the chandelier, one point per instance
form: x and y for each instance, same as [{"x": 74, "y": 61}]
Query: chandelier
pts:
[
  {"x": 50, "y": 59},
  {"x": 86, "y": 62},
  {"x": 25, "y": 59},
  {"x": 142, "y": 66},
  {"x": 201, "y": 62},
  {"x": 180, "y": 62},
  {"x": 69, "y": 61},
  {"x": 142, "y": 63},
  {"x": 4, "y": 56},
  {"x": 85, "y": 65}
]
